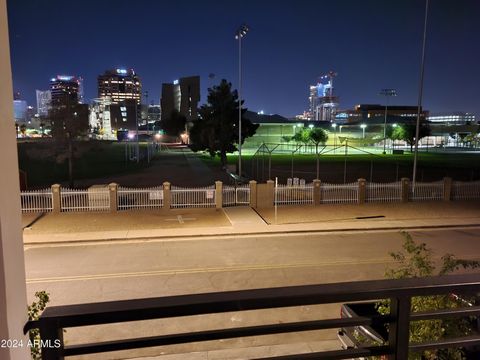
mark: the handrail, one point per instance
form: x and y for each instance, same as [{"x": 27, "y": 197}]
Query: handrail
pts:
[{"x": 400, "y": 292}]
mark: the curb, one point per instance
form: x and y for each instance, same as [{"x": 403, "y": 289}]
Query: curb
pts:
[{"x": 235, "y": 234}]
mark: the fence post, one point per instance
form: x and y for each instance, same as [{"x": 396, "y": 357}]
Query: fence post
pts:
[
  {"x": 113, "y": 191},
  {"x": 317, "y": 194},
  {"x": 253, "y": 193},
  {"x": 270, "y": 195},
  {"x": 405, "y": 189},
  {"x": 218, "y": 194},
  {"x": 56, "y": 204},
  {"x": 167, "y": 195},
  {"x": 447, "y": 189},
  {"x": 398, "y": 334},
  {"x": 362, "y": 190}
]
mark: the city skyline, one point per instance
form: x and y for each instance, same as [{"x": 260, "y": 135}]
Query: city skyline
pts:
[{"x": 371, "y": 45}]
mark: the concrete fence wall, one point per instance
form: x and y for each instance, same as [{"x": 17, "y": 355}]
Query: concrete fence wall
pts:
[{"x": 114, "y": 198}]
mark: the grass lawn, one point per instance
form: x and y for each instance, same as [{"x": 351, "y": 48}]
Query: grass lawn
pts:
[
  {"x": 375, "y": 167},
  {"x": 92, "y": 159},
  {"x": 424, "y": 159}
]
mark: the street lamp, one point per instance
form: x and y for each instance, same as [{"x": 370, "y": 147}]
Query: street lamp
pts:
[
  {"x": 420, "y": 95},
  {"x": 334, "y": 136},
  {"x": 239, "y": 34},
  {"x": 387, "y": 93},
  {"x": 363, "y": 126}
]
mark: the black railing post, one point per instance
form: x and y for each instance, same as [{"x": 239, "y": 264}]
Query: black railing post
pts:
[
  {"x": 399, "y": 331},
  {"x": 51, "y": 336}
]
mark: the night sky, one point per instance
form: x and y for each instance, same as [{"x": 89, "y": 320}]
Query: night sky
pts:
[{"x": 372, "y": 44}]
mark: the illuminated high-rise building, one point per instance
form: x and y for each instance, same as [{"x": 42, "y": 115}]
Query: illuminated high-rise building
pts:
[
  {"x": 323, "y": 103},
  {"x": 65, "y": 90},
  {"x": 120, "y": 85},
  {"x": 44, "y": 98}
]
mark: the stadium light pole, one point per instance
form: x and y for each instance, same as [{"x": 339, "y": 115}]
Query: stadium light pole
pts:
[
  {"x": 334, "y": 125},
  {"x": 363, "y": 126},
  {"x": 239, "y": 34},
  {"x": 420, "y": 94},
  {"x": 387, "y": 93}
]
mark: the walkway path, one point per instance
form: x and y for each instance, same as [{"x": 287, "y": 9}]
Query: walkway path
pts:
[
  {"x": 129, "y": 225},
  {"x": 180, "y": 167}
]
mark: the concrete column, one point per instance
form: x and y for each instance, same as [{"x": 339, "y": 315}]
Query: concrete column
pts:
[
  {"x": 167, "y": 195},
  {"x": 405, "y": 189},
  {"x": 56, "y": 202},
  {"x": 13, "y": 298},
  {"x": 218, "y": 194},
  {"x": 447, "y": 188},
  {"x": 362, "y": 191},
  {"x": 317, "y": 194},
  {"x": 113, "y": 192},
  {"x": 253, "y": 193},
  {"x": 270, "y": 194},
  {"x": 265, "y": 194}
]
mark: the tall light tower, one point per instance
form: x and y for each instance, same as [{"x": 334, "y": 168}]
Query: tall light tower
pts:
[
  {"x": 239, "y": 34},
  {"x": 420, "y": 95},
  {"x": 387, "y": 93}
]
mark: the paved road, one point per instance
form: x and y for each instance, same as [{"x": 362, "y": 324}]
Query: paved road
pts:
[
  {"x": 123, "y": 270},
  {"x": 139, "y": 268}
]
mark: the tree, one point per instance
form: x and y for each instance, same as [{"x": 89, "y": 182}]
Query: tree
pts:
[
  {"x": 406, "y": 132},
  {"x": 174, "y": 125},
  {"x": 318, "y": 136},
  {"x": 416, "y": 261},
  {"x": 472, "y": 139},
  {"x": 68, "y": 122},
  {"x": 23, "y": 130},
  {"x": 302, "y": 136},
  {"x": 216, "y": 130},
  {"x": 314, "y": 136}
]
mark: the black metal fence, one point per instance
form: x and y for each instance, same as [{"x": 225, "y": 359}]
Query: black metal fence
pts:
[{"x": 55, "y": 319}]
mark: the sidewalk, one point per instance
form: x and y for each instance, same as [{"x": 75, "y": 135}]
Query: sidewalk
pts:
[{"x": 198, "y": 223}]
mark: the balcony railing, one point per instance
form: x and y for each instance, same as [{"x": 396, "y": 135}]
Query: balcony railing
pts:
[{"x": 55, "y": 319}]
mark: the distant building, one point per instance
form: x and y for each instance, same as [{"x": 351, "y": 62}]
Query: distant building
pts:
[
  {"x": 458, "y": 118},
  {"x": 182, "y": 95},
  {"x": 65, "y": 90},
  {"x": 99, "y": 119},
  {"x": 154, "y": 113},
  {"x": 120, "y": 85},
  {"x": 80, "y": 90},
  {"x": 44, "y": 98},
  {"x": 20, "y": 110},
  {"x": 375, "y": 114},
  {"x": 322, "y": 102},
  {"x": 124, "y": 115}
]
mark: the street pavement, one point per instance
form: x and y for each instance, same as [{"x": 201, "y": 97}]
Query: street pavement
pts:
[
  {"x": 118, "y": 270},
  {"x": 129, "y": 257},
  {"x": 181, "y": 223}
]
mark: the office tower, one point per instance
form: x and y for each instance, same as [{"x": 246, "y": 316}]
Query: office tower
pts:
[
  {"x": 120, "y": 85},
  {"x": 64, "y": 90},
  {"x": 44, "y": 98},
  {"x": 182, "y": 95}
]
